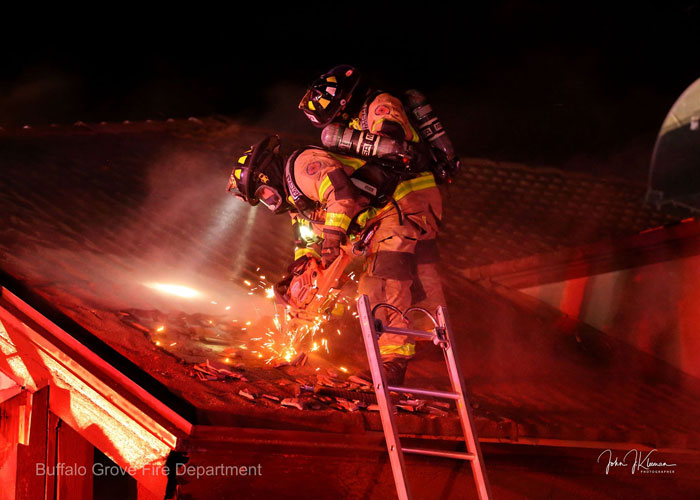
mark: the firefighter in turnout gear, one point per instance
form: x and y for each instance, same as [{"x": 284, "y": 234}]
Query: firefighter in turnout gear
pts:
[
  {"x": 336, "y": 197},
  {"x": 404, "y": 249}
]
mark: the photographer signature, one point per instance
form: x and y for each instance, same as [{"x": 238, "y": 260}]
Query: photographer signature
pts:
[{"x": 641, "y": 463}]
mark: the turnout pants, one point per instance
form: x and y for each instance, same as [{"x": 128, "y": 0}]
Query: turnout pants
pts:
[{"x": 401, "y": 270}]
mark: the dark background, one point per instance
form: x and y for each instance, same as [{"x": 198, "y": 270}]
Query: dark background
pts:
[{"x": 582, "y": 87}]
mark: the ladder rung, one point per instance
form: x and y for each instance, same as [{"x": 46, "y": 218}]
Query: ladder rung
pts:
[
  {"x": 411, "y": 333},
  {"x": 426, "y": 392},
  {"x": 439, "y": 453}
]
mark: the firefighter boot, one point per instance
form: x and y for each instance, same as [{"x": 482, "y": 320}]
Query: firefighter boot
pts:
[{"x": 394, "y": 371}]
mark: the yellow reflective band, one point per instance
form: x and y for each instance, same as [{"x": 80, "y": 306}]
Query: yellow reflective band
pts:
[
  {"x": 332, "y": 79},
  {"x": 300, "y": 252},
  {"x": 368, "y": 214},
  {"x": 376, "y": 124},
  {"x": 311, "y": 106},
  {"x": 410, "y": 130},
  {"x": 237, "y": 173},
  {"x": 415, "y": 137},
  {"x": 349, "y": 161},
  {"x": 337, "y": 220},
  {"x": 325, "y": 185},
  {"x": 404, "y": 350},
  {"x": 423, "y": 181},
  {"x": 242, "y": 159},
  {"x": 324, "y": 102}
]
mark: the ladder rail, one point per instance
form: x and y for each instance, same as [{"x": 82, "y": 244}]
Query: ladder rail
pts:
[
  {"x": 466, "y": 417},
  {"x": 386, "y": 408},
  {"x": 442, "y": 336}
]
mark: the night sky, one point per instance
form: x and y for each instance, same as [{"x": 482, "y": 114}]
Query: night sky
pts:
[{"x": 579, "y": 87}]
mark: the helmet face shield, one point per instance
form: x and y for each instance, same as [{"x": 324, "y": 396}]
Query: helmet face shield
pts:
[
  {"x": 270, "y": 197},
  {"x": 318, "y": 110},
  {"x": 260, "y": 166},
  {"x": 311, "y": 116}
]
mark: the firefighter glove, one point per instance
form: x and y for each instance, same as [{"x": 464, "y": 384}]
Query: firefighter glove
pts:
[{"x": 331, "y": 247}]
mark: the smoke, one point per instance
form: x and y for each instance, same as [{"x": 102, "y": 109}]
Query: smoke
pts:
[
  {"x": 104, "y": 214},
  {"x": 190, "y": 232}
]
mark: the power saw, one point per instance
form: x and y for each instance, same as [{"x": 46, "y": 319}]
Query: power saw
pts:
[{"x": 310, "y": 291}]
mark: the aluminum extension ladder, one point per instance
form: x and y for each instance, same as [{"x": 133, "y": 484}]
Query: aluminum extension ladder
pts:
[{"x": 441, "y": 335}]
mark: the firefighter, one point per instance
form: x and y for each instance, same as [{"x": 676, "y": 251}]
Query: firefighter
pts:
[
  {"x": 337, "y": 197},
  {"x": 338, "y": 97}
]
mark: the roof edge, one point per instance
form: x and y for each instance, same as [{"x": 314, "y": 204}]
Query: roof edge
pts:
[
  {"x": 651, "y": 246},
  {"x": 104, "y": 362}
]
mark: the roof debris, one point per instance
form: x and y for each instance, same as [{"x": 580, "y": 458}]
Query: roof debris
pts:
[
  {"x": 246, "y": 394},
  {"x": 300, "y": 360},
  {"x": 206, "y": 371},
  {"x": 293, "y": 403},
  {"x": 347, "y": 405}
]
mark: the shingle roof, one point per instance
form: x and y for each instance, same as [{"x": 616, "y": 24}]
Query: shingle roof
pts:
[
  {"x": 88, "y": 215},
  {"x": 497, "y": 211}
]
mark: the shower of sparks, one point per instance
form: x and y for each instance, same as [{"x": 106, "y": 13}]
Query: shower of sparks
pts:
[
  {"x": 288, "y": 338},
  {"x": 285, "y": 342}
]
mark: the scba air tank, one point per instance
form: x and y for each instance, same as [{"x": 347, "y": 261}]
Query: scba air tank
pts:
[
  {"x": 429, "y": 126},
  {"x": 361, "y": 142}
]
